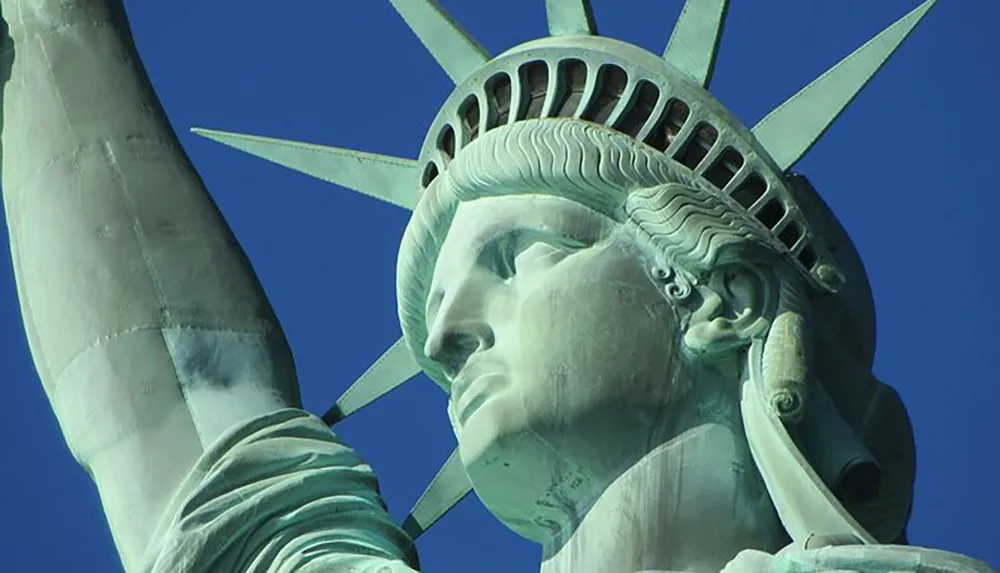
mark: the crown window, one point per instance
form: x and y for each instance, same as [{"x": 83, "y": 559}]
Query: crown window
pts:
[
  {"x": 790, "y": 234},
  {"x": 697, "y": 146},
  {"x": 446, "y": 142},
  {"x": 670, "y": 124},
  {"x": 611, "y": 82},
  {"x": 535, "y": 82},
  {"x": 771, "y": 213},
  {"x": 750, "y": 191},
  {"x": 572, "y": 81},
  {"x": 724, "y": 168},
  {"x": 646, "y": 96},
  {"x": 498, "y": 100},
  {"x": 807, "y": 257},
  {"x": 430, "y": 174},
  {"x": 469, "y": 113}
]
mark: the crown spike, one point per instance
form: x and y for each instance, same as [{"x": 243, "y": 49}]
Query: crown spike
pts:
[
  {"x": 694, "y": 43},
  {"x": 570, "y": 18},
  {"x": 449, "y": 486},
  {"x": 390, "y": 371},
  {"x": 390, "y": 179},
  {"x": 454, "y": 49},
  {"x": 795, "y": 126}
]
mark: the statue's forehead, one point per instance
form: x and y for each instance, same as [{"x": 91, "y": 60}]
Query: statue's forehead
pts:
[{"x": 477, "y": 220}]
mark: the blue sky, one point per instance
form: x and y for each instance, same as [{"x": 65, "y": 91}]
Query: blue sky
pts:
[{"x": 908, "y": 169}]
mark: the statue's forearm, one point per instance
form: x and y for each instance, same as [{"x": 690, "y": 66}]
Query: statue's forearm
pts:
[{"x": 147, "y": 325}]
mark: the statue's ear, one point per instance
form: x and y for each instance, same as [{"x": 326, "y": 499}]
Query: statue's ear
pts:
[{"x": 729, "y": 313}]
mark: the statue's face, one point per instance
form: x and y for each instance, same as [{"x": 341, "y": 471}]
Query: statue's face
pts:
[{"x": 559, "y": 346}]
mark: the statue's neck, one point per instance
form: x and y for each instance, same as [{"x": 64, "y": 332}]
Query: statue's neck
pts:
[{"x": 691, "y": 504}]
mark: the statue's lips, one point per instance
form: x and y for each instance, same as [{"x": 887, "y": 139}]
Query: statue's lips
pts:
[{"x": 469, "y": 397}]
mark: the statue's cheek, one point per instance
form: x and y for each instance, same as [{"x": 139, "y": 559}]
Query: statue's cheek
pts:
[{"x": 573, "y": 332}]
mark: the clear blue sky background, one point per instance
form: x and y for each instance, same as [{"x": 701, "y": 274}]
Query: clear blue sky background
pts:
[{"x": 910, "y": 169}]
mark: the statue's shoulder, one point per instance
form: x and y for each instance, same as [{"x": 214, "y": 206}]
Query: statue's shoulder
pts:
[{"x": 284, "y": 492}]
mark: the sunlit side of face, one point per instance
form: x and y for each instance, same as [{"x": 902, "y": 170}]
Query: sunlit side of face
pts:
[{"x": 560, "y": 349}]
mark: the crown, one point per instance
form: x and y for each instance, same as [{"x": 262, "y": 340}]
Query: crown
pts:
[
  {"x": 661, "y": 102},
  {"x": 629, "y": 90}
]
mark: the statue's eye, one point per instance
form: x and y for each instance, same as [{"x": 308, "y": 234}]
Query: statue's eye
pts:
[
  {"x": 539, "y": 255},
  {"x": 523, "y": 251}
]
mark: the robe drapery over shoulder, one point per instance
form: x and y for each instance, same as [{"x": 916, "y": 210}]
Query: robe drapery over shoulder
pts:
[{"x": 278, "y": 494}]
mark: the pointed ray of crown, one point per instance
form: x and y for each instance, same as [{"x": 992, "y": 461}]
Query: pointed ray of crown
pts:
[
  {"x": 795, "y": 126},
  {"x": 455, "y": 51},
  {"x": 387, "y": 178},
  {"x": 576, "y": 74},
  {"x": 570, "y": 18},
  {"x": 694, "y": 44},
  {"x": 395, "y": 367},
  {"x": 449, "y": 486}
]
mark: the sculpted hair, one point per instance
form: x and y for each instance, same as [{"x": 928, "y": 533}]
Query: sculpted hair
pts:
[{"x": 670, "y": 211}]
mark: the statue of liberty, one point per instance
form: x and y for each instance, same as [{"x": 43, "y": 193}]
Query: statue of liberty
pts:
[{"x": 656, "y": 338}]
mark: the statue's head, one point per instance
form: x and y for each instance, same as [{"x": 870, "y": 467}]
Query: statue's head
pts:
[
  {"x": 601, "y": 257},
  {"x": 570, "y": 342}
]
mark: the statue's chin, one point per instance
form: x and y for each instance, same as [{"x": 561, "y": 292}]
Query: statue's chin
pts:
[{"x": 519, "y": 480}]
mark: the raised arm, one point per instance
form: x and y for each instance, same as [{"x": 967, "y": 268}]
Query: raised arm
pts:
[{"x": 148, "y": 327}]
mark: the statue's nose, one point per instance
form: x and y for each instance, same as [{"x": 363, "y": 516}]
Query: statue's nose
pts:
[{"x": 459, "y": 330}]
